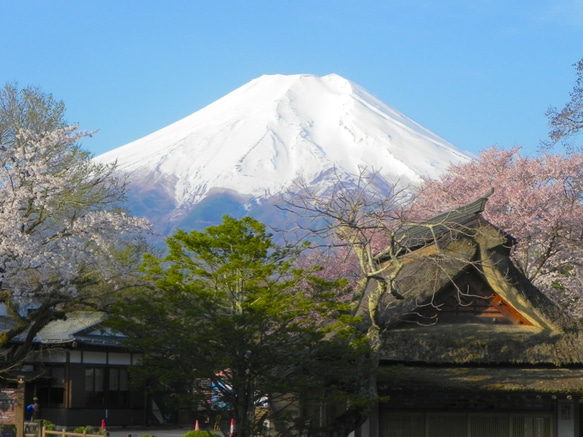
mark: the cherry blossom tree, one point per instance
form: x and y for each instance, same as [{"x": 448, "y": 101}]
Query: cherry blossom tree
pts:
[
  {"x": 537, "y": 200},
  {"x": 567, "y": 123},
  {"x": 357, "y": 221},
  {"x": 28, "y": 109},
  {"x": 63, "y": 235},
  {"x": 354, "y": 225}
]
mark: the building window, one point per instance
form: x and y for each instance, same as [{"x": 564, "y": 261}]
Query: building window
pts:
[
  {"x": 51, "y": 392},
  {"x": 118, "y": 393},
  {"x": 106, "y": 387},
  {"x": 94, "y": 387}
]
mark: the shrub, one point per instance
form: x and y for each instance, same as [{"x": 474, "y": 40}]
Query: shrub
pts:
[
  {"x": 199, "y": 434},
  {"x": 49, "y": 426},
  {"x": 87, "y": 430}
]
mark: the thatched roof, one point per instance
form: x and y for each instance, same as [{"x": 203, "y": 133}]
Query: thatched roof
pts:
[
  {"x": 425, "y": 233},
  {"x": 426, "y": 379},
  {"x": 459, "y": 257},
  {"x": 481, "y": 344}
]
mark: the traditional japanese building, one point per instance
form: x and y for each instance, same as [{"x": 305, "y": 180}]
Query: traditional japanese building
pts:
[
  {"x": 78, "y": 374},
  {"x": 471, "y": 347}
]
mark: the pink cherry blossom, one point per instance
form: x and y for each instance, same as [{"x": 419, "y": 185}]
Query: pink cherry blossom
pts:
[
  {"x": 536, "y": 199},
  {"x": 60, "y": 217}
]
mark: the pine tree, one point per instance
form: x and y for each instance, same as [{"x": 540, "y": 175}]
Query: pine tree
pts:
[{"x": 231, "y": 319}]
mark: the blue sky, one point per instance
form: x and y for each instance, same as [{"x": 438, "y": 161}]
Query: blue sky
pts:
[{"x": 477, "y": 72}]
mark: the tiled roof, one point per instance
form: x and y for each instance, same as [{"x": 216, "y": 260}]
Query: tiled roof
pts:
[
  {"x": 64, "y": 330},
  {"x": 81, "y": 327}
]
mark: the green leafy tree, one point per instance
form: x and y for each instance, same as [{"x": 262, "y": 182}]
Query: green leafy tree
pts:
[{"x": 231, "y": 323}]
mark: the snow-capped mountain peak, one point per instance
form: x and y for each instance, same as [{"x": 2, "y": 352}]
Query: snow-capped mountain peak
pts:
[{"x": 258, "y": 139}]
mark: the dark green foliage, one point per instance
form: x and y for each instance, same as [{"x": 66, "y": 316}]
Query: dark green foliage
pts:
[
  {"x": 88, "y": 429},
  {"x": 47, "y": 424}
]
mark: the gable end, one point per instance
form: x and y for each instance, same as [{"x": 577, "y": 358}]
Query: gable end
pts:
[{"x": 469, "y": 302}]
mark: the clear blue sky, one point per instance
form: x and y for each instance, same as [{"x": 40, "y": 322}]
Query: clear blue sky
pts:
[{"x": 475, "y": 72}]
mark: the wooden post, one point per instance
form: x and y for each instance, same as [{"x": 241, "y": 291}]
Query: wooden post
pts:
[{"x": 20, "y": 408}]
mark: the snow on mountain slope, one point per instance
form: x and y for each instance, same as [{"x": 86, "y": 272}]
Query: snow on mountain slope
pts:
[{"x": 259, "y": 138}]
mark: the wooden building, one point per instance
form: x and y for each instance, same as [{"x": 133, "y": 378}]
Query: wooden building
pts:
[
  {"x": 473, "y": 349},
  {"x": 78, "y": 373}
]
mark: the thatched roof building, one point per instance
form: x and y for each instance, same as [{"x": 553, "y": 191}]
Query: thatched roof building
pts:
[
  {"x": 463, "y": 300},
  {"x": 466, "y": 330}
]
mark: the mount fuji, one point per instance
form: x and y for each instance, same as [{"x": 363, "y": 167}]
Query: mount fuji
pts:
[{"x": 238, "y": 154}]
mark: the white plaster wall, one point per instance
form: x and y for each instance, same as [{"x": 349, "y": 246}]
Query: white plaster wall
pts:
[{"x": 566, "y": 418}]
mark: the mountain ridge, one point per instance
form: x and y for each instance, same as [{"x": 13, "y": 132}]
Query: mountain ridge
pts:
[{"x": 257, "y": 140}]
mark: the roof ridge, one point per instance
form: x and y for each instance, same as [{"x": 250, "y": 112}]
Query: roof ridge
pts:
[{"x": 427, "y": 230}]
